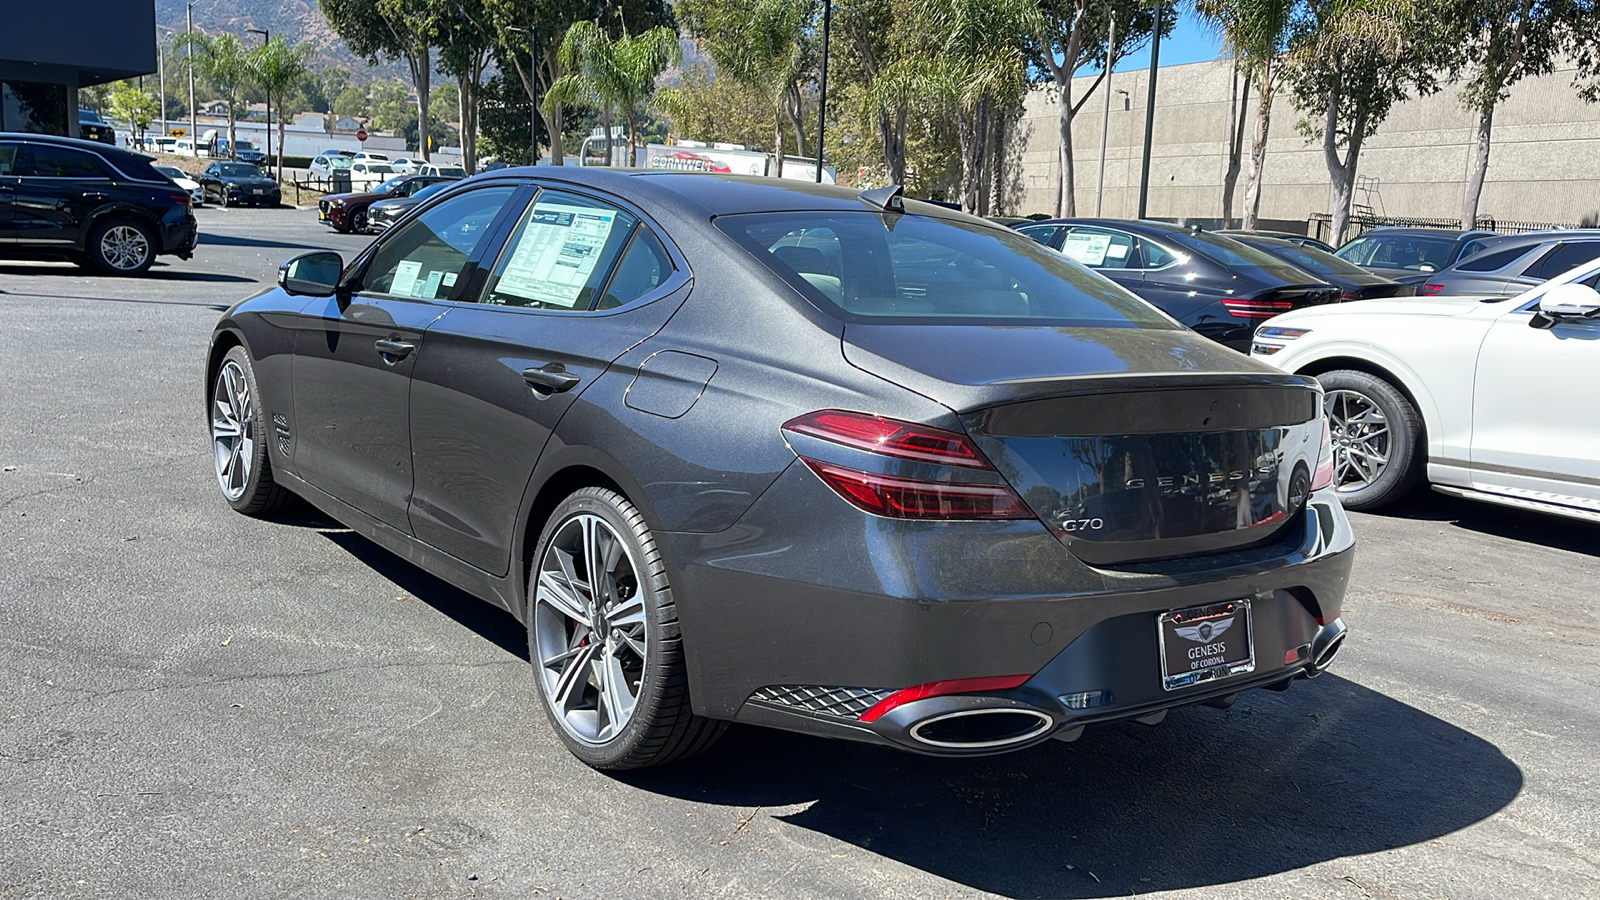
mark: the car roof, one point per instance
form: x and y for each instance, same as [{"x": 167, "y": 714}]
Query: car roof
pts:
[
  {"x": 1406, "y": 231},
  {"x": 106, "y": 150}
]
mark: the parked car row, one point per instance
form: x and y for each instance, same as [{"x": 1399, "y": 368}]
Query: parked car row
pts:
[{"x": 350, "y": 212}]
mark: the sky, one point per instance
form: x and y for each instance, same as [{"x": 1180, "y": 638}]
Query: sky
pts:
[{"x": 1190, "y": 41}]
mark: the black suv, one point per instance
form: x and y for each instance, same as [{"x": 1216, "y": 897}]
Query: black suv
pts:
[
  {"x": 93, "y": 128},
  {"x": 100, "y": 206}
]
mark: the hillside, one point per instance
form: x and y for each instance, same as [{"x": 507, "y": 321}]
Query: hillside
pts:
[{"x": 300, "y": 21}]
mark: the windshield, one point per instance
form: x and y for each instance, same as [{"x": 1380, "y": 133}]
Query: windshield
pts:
[
  {"x": 865, "y": 266},
  {"x": 88, "y": 115},
  {"x": 239, "y": 170},
  {"x": 430, "y": 190},
  {"x": 170, "y": 171},
  {"x": 378, "y": 169},
  {"x": 392, "y": 184},
  {"x": 452, "y": 170},
  {"x": 339, "y": 162},
  {"x": 1422, "y": 253},
  {"x": 1223, "y": 250},
  {"x": 1313, "y": 260}
]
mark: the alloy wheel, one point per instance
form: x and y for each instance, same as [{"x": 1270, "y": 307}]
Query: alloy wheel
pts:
[
  {"x": 589, "y": 630},
  {"x": 124, "y": 247},
  {"x": 233, "y": 429},
  {"x": 1360, "y": 439}
]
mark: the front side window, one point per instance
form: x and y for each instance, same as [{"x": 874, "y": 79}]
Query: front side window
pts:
[
  {"x": 560, "y": 254},
  {"x": 914, "y": 269},
  {"x": 425, "y": 257},
  {"x": 63, "y": 162}
]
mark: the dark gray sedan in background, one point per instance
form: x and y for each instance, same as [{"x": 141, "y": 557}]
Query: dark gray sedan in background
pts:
[
  {"x": 1509, "y": 265},
  {"x": 762, "y": 451}
]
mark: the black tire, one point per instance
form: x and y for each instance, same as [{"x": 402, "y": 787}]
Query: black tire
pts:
[
  {"x": 222, "y": 199},
  {"x": 114, "y": 247},
  {"x": 258, "y": 494},
  {"x": 1403, "y": 454},
  {"x": 358, "y": 221},
  {"x": 661, "y": 727}
]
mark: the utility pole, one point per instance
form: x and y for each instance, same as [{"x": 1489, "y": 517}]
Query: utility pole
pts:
[
  {"x": 1150, "y": 114},
  {"x": 161, "y": 73},
  {"x": 194, "y": 139},
  {"x": 1105, "y": 118},
  {"x": 822, "y": 92},
  {"x": 266, "y": 35}
]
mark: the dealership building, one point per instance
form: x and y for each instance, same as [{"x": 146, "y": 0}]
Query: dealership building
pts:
[{"x": 49, "y": 50}]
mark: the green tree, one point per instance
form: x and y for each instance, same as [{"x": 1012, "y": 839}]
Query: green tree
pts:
[
  {"x": 397, "y": 29},
  {"x": 466, "y": 49},
  {"x": 387, "y": 105},
  {"x": 278, "y": 68},
  {"x": 619, "y": 72},
  {"x": 763, "y": 45},
  {"x": 137, "y": 107},
  {"x": 703, "y": 107},
  {"x": 350, "y": 102},
  {"x": 224, "y": 63},
  {"x": 1070, "y": 37}
]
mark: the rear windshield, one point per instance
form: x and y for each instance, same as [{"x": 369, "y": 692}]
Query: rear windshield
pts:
[
  {"x": 865, "y": 266},
  {"x": 1313, "y": 260},
  {"x": 238, "y": 170},
  {"x": 1423, "y": 253},
  {"x": 1221, "y": 249}
]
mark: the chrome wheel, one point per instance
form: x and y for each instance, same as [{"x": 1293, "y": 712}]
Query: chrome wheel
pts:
[
  {"x": 233, "y": 430},
  {"x": 124, "y": 247},
  {"x": 1361, "y": 439},
  {"x": 589, "y": 631}
]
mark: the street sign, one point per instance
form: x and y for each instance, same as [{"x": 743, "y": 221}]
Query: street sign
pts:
[
  {"x": 176, "y": 132},
  {"x": 362, "y": 135}
]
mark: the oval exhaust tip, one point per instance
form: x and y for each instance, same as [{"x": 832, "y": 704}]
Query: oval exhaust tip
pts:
[
  {"x": 1323, "y": 656},
  {"x": 981, "y": 729}
]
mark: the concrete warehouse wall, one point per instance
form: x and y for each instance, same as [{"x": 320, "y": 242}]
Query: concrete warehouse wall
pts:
[{"x": 1544, "y": 165}]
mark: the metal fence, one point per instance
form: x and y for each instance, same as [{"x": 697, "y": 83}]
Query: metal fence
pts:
[{"x": 1320, "y": 225}]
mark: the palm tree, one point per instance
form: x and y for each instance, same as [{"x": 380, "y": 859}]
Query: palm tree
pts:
[
  {"x": 1257, "y": 33},
  {"x": 224, "y": 63},
  {"x": 276, "y": 68},
  {"x": 619, "y": 72}
]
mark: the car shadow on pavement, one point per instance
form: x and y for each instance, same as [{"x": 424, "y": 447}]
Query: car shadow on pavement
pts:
[
  {"x": 1545, "y": 529},
  {"x": 1326, "y": 770},
  {"x": 228, "y": 240}
]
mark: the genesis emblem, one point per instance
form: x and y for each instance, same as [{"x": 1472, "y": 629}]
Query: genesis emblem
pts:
[{"x": 1205, "y": 631}]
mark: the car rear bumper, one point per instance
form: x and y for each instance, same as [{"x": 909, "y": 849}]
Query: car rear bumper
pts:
[
  {"x": 806, "y": 615},
  {"x": 179, "y": 238}
]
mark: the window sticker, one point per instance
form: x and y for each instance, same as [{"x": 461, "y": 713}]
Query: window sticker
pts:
[
  {"x": 405, "y": 278},
  {"x": 556, "y": 254},
  {"x": 1089, "y": 249},
  {"x": 1117, "y": 251}
]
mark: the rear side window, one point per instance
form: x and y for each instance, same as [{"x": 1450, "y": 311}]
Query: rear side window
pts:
[
  {"x": 1044, "y": 234},
  {"x": 1563, "y": 257},
  {"x": 872, "y": 267},
  {"x": 561, "y": 253},
  {"x": 1099, "y": 248},
  {"x": 8, "y": 158},
  {"x": 1498, "y": 259},
  {"x": 62, "y": 162}
]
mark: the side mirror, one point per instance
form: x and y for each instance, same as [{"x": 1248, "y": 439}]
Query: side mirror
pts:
[
  {"x": 1570, "y": 300},
  {"x": 311, "y": 274}
]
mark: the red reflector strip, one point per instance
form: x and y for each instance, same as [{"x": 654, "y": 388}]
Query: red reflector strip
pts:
[
  {"x": 905, "y": 498},
  {"x": 876, "y": 434},
  {"x": 941, "y": 689}
]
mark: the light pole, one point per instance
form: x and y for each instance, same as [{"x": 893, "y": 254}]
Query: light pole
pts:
[
  {"x": 1150, "y": 113},
  {"x": 532, "y": 31},
  {"x": 822, "y": 92},
  {"x": 266, "y": 38},
  {"x": 1105, "y": 118},
  {"x": 161, "y": 73},
  {"x": 194, "y": 145}
]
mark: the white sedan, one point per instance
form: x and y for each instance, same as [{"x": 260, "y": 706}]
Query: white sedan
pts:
[
  {"x": 197, "y": 195},
  {"x": 1482, "y": 398}
]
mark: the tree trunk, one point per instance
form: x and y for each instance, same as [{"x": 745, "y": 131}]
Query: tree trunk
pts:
[
  {"x": 1258, "y": 154},
  {"x": 553, "y": 124},
  {"x": 997, "y": 165},
  {"x": 280, "y": 137},
  {"x": 970, "y": 127},
  {"x": 777, "y": 142},
  {"x": 893, "y": 131},
  {"x": 792, "y": 111},
  {"x": 233, "y": 145},
  {"x": 1066, "y": 193},
  {"x": 1480, "y": 168},
  {"x": 421, "y": 72},
  {"x": 630, "y": 160},
  {"x": 463, "y": 88},
  {"x": 1237, "y": 106}
]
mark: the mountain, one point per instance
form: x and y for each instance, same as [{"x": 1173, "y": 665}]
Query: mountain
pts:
[{"x": 299, "y": 21}]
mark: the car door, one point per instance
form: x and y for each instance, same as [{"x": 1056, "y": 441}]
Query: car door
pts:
[
  {"x": 10, "y": 160},
  {"x": 355, "y": 353},
  {"x": 580, "y": 280},
  {"x": 59, "y": 187},
  {"x": 1535, "y": 431}
]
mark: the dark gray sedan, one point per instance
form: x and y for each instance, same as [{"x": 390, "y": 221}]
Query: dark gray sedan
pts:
[
  {"x": 744, "y": 449},
  {"x": 1507, "y": 266}
]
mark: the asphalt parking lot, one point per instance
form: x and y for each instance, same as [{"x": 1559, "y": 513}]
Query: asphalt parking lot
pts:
[{"x": 198, "y": 704}]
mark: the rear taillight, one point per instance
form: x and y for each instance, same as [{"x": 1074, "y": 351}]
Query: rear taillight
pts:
[
  {"x": 1245, "y": 308},
  {"x": 1323, "y": 476},
  {"x": 1346, "y": 297},
  {"x": 180, "y": 199},
  {"x": 898, "y": 497},
  {"x": 1429, "y": 289}
]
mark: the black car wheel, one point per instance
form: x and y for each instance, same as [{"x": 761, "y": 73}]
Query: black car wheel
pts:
[
  {"x": 1376, "y": 439},
  {"x": 603, "y": 638},
  {"x": 358, "y": 222},
  {"x": 120, "y": 247},
  {"x": 222, "y": 198},
  {"x": 239, "y": 449}
]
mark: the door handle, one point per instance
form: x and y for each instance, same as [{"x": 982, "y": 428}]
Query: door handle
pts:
[
  {"x": 551, "y": 378},
  {"x": 398, "y": 350}
]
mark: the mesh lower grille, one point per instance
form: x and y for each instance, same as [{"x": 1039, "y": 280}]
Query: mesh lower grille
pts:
[{"x": 843, "y": 702}]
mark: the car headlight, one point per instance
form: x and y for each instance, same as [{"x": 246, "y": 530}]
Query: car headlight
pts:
[{"x": 1270, "y": 339}]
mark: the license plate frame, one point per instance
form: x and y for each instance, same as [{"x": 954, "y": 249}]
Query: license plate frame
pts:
[{"x": 1178, "y": 644}]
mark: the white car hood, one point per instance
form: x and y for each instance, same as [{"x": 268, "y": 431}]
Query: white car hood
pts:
[{"x": 1399, "y": 306}]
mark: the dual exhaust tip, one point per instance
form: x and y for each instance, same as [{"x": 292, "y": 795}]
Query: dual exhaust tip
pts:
[{"x": 980, "y": 723}]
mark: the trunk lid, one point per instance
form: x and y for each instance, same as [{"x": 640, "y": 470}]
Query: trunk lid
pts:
[{"x": 1131, "y": 445}]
